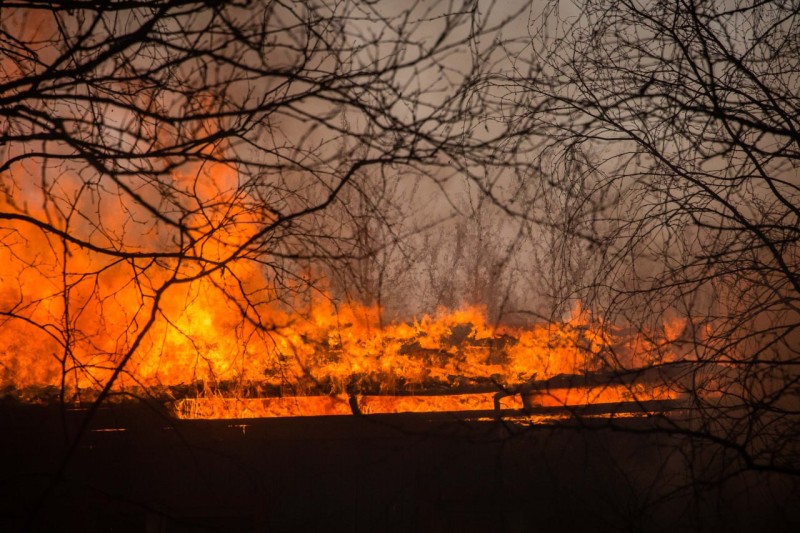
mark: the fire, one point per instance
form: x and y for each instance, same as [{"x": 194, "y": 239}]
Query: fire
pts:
[
  {"x": 314, "y": 361},
  {"x": 221, "y": 342},
  {"x": 221, "y": 407}
]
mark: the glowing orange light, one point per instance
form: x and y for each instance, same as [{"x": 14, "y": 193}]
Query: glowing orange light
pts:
[{"x": 319, "y": 353}]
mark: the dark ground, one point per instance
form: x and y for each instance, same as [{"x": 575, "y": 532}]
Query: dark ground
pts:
[{"x": 374, "y": 473}]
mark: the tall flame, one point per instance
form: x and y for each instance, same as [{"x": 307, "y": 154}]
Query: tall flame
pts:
[{"x": 68, "y": 313}]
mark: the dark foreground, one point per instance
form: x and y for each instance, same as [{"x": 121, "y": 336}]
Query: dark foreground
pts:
[{"x": 136, "y": 470}]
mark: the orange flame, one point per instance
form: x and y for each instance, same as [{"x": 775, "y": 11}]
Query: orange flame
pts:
[{"x": 68, "y": 313}]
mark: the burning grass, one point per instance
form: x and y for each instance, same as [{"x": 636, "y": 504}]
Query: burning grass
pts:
[
  {"x": 337, "y": 361},
  {"x": 221, "y": 340}
]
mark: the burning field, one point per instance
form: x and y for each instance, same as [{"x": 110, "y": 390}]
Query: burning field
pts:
[
  {"x": 317, "y": 363},
  {"x": 82, "y": 325}
]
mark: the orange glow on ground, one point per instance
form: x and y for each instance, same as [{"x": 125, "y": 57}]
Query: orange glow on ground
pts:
[{"x": 236, "y": 408}]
